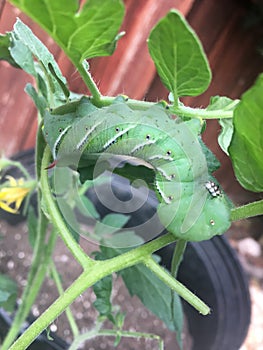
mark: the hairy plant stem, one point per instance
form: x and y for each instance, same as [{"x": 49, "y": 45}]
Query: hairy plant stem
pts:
[
  {"x": 56, "y": 217},
  {"x": 71, "y": 320},
  {"x": 83, "y": 70},
  {"x": 247, "y": 211},
  {"x": 10, "y": 162},
  {"x": 185, "y": 111},
  {"x": 114, "y": 333},
  {"x": 176, "y": 286}
]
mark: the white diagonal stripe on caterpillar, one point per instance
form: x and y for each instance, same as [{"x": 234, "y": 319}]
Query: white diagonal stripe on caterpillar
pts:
[
  {"x": 160, "y": 156},
  {"x": 83, "y": 141},
  {"x": 163, "y": 173},
  {"x": 164, "y": 197},
  {"x": 58, "y": 140},
  {"x": 141, "y": 145},
  {"x": 119, "y": 134}
]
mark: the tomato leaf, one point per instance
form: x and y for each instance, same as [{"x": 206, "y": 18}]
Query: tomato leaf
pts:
[
  {"x": 5, "y": 42},
  {"x": 246, "y": 147},
  {"x": 222, "y": 103},
  {"x": 103, "y": 289},
  {"x": 82, "y": 33},
  {"x": 178, "y": 56},
  {"x": 152, "y": 292}
]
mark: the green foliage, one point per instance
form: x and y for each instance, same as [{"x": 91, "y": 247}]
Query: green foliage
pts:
[
  {"x": 5, "y": 55},
  {"x": 246, "y": 146},
  {"x": 91, "y": 31},
  {"x": 152, "y": 292},
  {"x": 82, "y": 33},
  {"x": 102, "y": 290},
  {"x": 179, "y": 57},
  {"x": 8, "y": 293},
  {"x": 222, "y": 103},
  {"x": 111, "y": 223}
]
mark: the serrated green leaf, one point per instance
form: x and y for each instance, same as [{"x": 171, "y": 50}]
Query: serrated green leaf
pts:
[
  {"x": 246, "y": 148},
  {"x": 82, "y": 33},
  {"x": 155, "y": 295},
  {"x": 179, "y": 57},
  {"x": 102, "y": 290},
  {"x": 8, "y": 293}
]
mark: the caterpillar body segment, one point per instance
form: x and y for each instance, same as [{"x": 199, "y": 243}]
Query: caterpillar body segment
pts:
[{"x": 190, "y": 207}]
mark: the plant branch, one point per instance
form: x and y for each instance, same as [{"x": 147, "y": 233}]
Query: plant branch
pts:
[
  {"x": 83, "y": 70},
  {"x": 186, "y": 111},
  {"x": 114, "y": 333},
  {"x": 89, "y": 277},
  {"x": 71, "y": 320},
  {"x": 248, "y": 210},
  {"x": 179, "y": 288},
  {"x": 56, "y": 218}
]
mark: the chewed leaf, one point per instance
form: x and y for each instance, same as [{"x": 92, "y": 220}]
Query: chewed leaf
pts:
[
  {"x": 223, "y": 104},
  {"x": 5, "y": 42},
  {"x": 179, "y": 57},
  {"x": 246, "y": 147},
  {"x": 82, "y": 33},
  {"x": 226, "y": 134}
]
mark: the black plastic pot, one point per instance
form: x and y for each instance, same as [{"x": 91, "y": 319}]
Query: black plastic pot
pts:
[{"x": 210, "y": 268}]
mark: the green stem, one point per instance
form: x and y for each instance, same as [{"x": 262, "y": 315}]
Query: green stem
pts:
[
  {"x": 89, "y": 277},
  {"x": 71, "y": 320},
  {"x": 134, "y": 104},
  {"x": 56, "y": 217},
  {"x": 9, "y": 162},
  {"x": 178, "y": 256},
  {"x": 180, "y": 289},
  {"x": 247, "y": 211},
  {"x": 114, "y": 333},
  {"x": 88, "y": 80},
  {"x": 186, "y": 111}
]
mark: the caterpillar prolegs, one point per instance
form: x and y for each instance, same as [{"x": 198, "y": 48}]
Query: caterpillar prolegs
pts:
[{"x": 191, "y": 206}]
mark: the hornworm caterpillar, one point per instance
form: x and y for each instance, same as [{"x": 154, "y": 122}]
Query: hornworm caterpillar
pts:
[{"x": 191, "y": 205}]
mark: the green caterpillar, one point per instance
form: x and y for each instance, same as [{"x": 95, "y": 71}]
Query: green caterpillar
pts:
[{"x": 191, "y": 206}]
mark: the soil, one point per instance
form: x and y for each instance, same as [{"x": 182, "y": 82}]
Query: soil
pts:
[{"x": 15, "y": 255}]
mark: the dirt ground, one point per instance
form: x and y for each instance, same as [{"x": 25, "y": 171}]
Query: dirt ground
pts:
[{"x": 15, "y": 258}]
